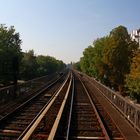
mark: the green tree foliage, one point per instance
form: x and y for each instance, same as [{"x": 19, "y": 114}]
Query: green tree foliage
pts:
[
  {"x": 42, "y": 65},
  {"x": 99, "y": 66},
  {"x": 117, "y": 55},
  {"x": 77, "y": 66},
  {"x": 35, "y": 66},
  {"x": 10, "y": 53},
  {"x": 86, "y": 61},
  {"x": 60, "y": 65},
  {"x": 133, "y": 78},
  {"x": 109, "y": 58},
  {"x": 51, "y": 64},
  {"x": 28, "y": 65},
  {"x": 48, "y": 65},
  {"x": 92, "y": 61}
]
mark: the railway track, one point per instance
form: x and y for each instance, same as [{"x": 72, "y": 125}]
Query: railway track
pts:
[
  {"x": 72, "y": 112},
  {"x": 112, "y": 129},
  {"x": 75, "y": 115},
  {"x": 8, "y": 107},
  {"x": 46, "y": 127},
  {"x": 85, "y": 118},
  {"x": 15, "y": 123}
]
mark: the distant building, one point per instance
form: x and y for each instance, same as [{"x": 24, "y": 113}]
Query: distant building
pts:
[{"x": 135, "y": 35}]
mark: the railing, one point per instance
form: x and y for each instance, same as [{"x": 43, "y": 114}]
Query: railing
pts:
[
  {"x": 7, "y": 93},
  {"x": 129, "y": 110}
]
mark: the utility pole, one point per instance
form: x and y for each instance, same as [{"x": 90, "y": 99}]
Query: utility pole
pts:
[{"x": 139, "y": 37}]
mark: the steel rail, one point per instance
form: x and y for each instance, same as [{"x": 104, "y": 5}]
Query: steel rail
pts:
[
  {"x": 111, "y": 96},
  {"x": 70, "y": 115},
  {"x": 96, "y": 112},
  {"x": 29, "y": 100},
  {"x": 110, "y": 116},
  {"x": 8, "y": 124},
  {"x": 112, "y": 119},
  {"x": 59, "y": 115},
  {"x": 33, "y": 125}
]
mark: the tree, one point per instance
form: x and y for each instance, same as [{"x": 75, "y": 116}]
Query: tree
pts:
[
  {"x": 120, "y": 33},
  {"x": 42, "y": 65},
  {"x": 99, "y": 65},
  {"x": 77, "y": 66},
  {"x": 60, "y": 65},
  {"x": 28, "y": 65},
  {"x": 115, "y": 61},
  {"x": 48, "y": 65},
  {"x": 92, "y": 62},
  {"x": 116, "y": 56},
  {"x": 86, "y": 61},
  {"x": 133, "y": 78},
  {"x": 10, "y": 54}
]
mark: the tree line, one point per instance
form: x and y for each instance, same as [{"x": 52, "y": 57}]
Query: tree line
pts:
[
  {"x": 115, "y": 61},
  {"x": 15, "y": 64},
  {"x": 36, "y": 66}
]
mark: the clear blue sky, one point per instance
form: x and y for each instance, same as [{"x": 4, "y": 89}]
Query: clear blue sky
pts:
[{"x": 64, "y": 28}]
